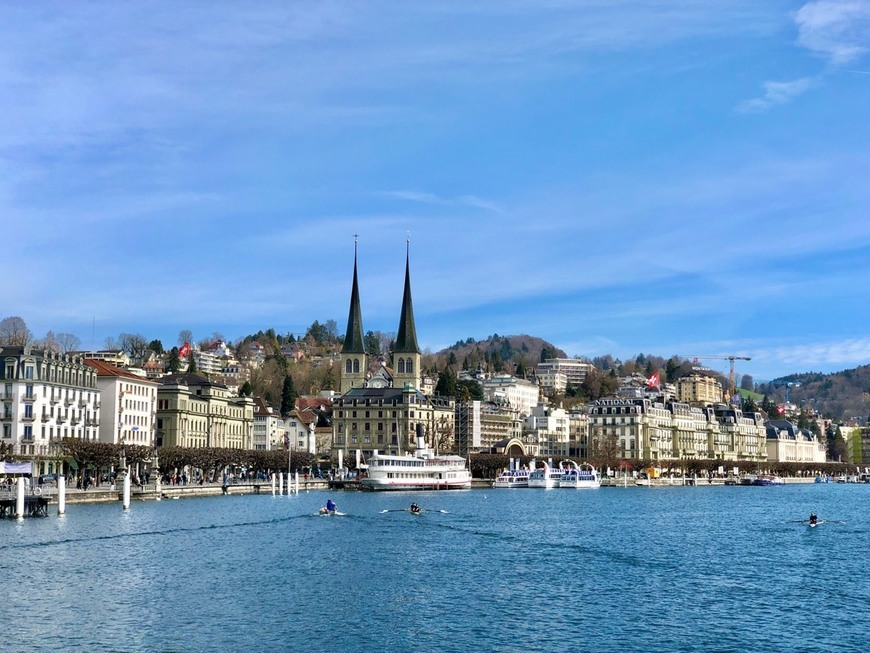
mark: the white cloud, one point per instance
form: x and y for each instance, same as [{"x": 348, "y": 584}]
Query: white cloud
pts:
[
  {"x": 776, "y": 93},
  {"x": 813, "y": 356},
  {"x": 838, "y": 29}
]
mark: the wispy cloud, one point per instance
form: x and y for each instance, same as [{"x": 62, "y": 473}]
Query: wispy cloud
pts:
[
  {"x": 837, "y": 29},
  {"x": 776, "y": 93},
  {"x": 809, "y": 357},
  {"x": 431, "y": 198}
]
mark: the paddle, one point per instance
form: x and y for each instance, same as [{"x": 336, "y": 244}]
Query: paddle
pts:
[{"x": 421, "y": 510}]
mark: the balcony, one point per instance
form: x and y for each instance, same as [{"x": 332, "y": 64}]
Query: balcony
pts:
[
  {"x": 83, "y": 403},
  {"x": 5, "y": 397},
  {"x": 28, "y": 398},
  {"x": 75, "y": 421},
  {"x": 54, "y": 398},
  {"x": 97, "y": 405},
  {"x": 68, "y": 401},
  {"x": 28, "y": 418},
  {"x": 45, "y": 417}
]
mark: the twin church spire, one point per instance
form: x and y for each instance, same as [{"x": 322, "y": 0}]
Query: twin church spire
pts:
[{"x": 406, "y": 356}]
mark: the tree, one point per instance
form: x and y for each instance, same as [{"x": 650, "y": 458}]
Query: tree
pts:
[
  {"x": 156, "y": 346},
  {"x": 372, "y": 344},
  {"x": 174, "y": 364},
  {"x": 288, "y": 396},
  {"x": 68, "y": 342},
  {"x": 548, "y": 352},
  {"x": 191, "y": 363},
  {"x": 246, "y": 390},
  {"x": 185, "y": 335},
  {"x": 134, "y": 345},
  {"x": 14, "y": 331},
  {"x": 746, "y": 382},
  {"x": 836, "y": 445},
  {"x": 672, "y": 369},
  {"x": 446, "y": 386},
  {"x": 520, "y": 372},
  {"x": 468, "y": 390},
  {"x": 49, "y": 342}
]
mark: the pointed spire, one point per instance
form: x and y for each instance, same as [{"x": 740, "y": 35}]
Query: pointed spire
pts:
[
  {"x": 353, "y": 339},
  {"x": 406, "y": 340}
]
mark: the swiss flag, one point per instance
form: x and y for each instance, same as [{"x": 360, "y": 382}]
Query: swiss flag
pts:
[
  {"x": 780, "y": 410},
  {"x": 184, "y": 351},
  {"x": 653, "y": 381}
]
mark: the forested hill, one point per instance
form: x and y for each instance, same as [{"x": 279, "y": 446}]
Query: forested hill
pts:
[
  {"x": 501, "y": 352},
  {"x": 843, "y": 395}
]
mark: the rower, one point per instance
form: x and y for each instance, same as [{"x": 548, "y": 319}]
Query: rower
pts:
[
  {"x": 813, "y": 518},
  {"x": 330, "y": 506},
  {"x": 415, "y": 509}
]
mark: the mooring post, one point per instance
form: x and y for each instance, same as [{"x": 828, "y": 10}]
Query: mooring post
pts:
[
  {"x": 126, "y": 491},
  {"x": 19, "y": 499},
  {"x": 297, "y": 482},
  {"x": 61, "y": 495},
  {"x": 273, "y": 484},
  {"x": 280, "y": 483}
]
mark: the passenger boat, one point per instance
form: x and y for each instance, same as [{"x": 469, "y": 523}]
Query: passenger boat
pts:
[
  {"x": 581, "y": 477},
  {"x": 546, "y": 477},
  {"x": 420, "y": 470},
  {"x": 768, "y": 479},
  {"x": 512, "y": 478}
]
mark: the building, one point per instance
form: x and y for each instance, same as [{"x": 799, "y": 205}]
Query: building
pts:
[
  {"x": 549, "y": 428},
  {"x": 554, "y": 371},
  {"x": 45, "y": 397},
  {"x": 650, "y": 430},
  {"x": 195, "y": 412},
  {"x": 385, "y": 411},
  {"x": 698, "y": 388},
  {"x": 511, "y": 392},
  {"x": 786, "y": 443},
  {"x": 268, "y": 428},
  {"x": 128, "y": 405},
  {"x": 113, "y": 356},
  {"x": 481, "y": 426}
]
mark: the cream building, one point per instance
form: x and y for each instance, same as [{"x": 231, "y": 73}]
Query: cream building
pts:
[
  {"x": 518, "y": 394},
  {"x": 573, "y": 370},
  {"x": 268, "y": 431},
  {"x": 699, "y": 389},
  {"x": 549, "y": 427},
  {"x": 789, "y": 444},
  {"x": 195, "y": 412},
  {"x": 45, "y": 397},
  {"x": 128, "y": 405}
]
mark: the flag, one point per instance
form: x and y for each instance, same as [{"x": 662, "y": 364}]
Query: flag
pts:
[
  {"x": 184, "y": 351},
  {"x": 653, "y": 381},
  {"x": 780, "y": 410}
]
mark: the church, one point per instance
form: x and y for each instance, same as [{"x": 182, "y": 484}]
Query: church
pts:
[{"x": 382, "y": 411}]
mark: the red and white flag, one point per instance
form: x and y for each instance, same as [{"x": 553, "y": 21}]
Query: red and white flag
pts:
[
  {"x": 184, "y": 351},
  {"x": 653, "y": 381},
  {"x": 780, "y": 410}
]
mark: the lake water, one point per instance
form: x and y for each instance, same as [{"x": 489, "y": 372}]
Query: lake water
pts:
[{"x": 637, "y": 569}]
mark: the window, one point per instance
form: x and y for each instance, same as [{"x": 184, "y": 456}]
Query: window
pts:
[
  {"x": 7, "y": 431},
  {"x": 401, "y": 366},
  {"x": 28, "y": 432},
  {"x": 356, "y": 365},
  {"x": 409, "y": 366},
  {"x": 28, "y": 411},
  {"x": 348, "y": 367}
]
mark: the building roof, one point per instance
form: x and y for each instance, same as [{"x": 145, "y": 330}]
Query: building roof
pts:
[
  {"x": 353, "y": 339},
  {"x": 104, "y": 369},
  {"x": 188, "y": 379},
  {"x": 406, "y": 339}
]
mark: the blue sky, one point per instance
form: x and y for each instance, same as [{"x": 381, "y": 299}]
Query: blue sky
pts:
[{"x": 667, "y": 177}]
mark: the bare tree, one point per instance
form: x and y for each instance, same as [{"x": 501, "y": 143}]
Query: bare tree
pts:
[
  {"x": 110, "y": 344},
  {"x": 185, "y": 335},
  {"x": 134, "y": 345},
  {"x": 50, "y": 343},
  {"x": 68, "y": 342},
  {"x": 444, "y": 442},
  {"x": 14, "y": 331}
]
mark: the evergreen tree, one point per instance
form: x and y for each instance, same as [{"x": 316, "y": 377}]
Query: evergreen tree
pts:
[
  {"x": 288, "y": 396},
  {"x": 156, "y": 346},
  {"x": 246, "y": 390},
  {"x": 174, "y": 364},
  {"x": 191, "y": 363},
  {"x": 672, "y": 369},
  {"x": 520, "y": 372},
  {"x": 446, "y": 386}
]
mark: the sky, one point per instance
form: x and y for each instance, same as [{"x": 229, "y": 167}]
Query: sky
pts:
[{"x": 670, "y": 177}]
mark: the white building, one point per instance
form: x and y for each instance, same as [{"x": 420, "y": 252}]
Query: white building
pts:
[
  {"x": 551, "y": 428},
  {"x": 574, "y": 370},
  {"x": 518, "y": 394},
  {"x": 269, "y": 430},
  {"x": 45, "y": 397},
  {"x": 128, "y": 405},
  {"x": 787, "y": 443}
]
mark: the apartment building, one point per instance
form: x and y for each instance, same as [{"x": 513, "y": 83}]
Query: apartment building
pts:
[
  {"x": 128, "y": 405},
  {"x": 511, "y": 392},
  {"x": 480, "y": 426},
  {"x": 699, "y": 389},
  {"x": 572, "y": 370}
]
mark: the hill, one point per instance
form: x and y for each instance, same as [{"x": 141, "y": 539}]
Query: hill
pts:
[
  {"x": 842, "y": 395},
  {"x": 500, "y": 353}
]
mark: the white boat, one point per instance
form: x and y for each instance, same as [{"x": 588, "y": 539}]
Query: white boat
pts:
[
  {"x": 546, "y": 477},
  {"x": 580, "y": 477},
  {"x": 510, "y": 479},
  {"x": 421, "y": 470}
]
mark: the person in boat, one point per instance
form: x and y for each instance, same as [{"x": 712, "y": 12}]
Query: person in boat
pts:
[
  {"x": 813, "y": 518},
  {"x": 415, "y": 509},
  {"x": 330, "y": 506}
]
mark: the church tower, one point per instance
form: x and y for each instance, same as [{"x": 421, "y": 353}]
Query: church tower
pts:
[
  {"x": 406, "y": 352},
  {"x": 354, "y": 363}
]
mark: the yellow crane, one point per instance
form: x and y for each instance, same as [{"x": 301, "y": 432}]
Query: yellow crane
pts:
[{"x": 728, "y": 358}]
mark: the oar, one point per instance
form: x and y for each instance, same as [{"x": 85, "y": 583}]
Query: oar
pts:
[
  {"x": 402, "y": 510},
  {"x": 433, "y": 510}
]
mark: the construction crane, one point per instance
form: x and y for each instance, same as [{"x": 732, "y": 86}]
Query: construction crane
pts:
[{"x": 731, "y": 360}]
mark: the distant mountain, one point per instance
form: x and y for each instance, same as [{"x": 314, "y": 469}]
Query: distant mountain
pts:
[
  {"x": 842, "y": 395},
  {"x": 501, "y": 351}
]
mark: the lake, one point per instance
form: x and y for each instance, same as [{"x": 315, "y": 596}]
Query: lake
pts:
[{"x": 636, "y": 569}]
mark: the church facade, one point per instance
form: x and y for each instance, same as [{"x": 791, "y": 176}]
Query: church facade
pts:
[{"x": 382, "y": 410}]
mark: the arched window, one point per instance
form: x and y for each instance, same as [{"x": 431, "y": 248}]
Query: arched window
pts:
[
  {"x": 348, "y": 367},
  {"x": 356, "y": 365},
  {"x": 401, "y": 366},
  {"x": 409, "y": 366}
]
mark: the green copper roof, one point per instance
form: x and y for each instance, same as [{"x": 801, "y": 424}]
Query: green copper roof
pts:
[
  {"x": 353, "y": 339},
  {"x": 406, "y": 340}
]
